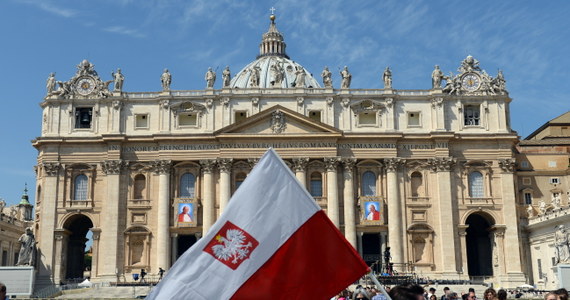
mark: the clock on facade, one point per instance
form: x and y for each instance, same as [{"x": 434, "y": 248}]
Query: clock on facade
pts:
[
  {"x": 85, "y": 85},
  {"x": 471, "y": 82}
]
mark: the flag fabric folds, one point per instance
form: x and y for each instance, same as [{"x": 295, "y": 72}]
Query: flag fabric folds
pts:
[{"x": 271, "y": 242}]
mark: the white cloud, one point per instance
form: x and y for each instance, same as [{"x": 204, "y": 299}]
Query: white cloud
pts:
[
  {"x": 51, "y": 7},
  {"x": 125, "y": 31}
]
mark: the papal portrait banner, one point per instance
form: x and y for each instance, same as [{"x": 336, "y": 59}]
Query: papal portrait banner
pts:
[{"x": 271, "y": 242}]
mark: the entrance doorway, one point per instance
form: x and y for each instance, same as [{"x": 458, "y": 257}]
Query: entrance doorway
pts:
[
  {"x": 371, "y": 243},
  {"x": 77, "y": 258},
  {"x": 184, "y": 243},
  {"x": 479, "y": 245}
]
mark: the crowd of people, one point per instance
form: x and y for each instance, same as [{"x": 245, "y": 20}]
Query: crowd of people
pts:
[{"x": 417, "y": 292}]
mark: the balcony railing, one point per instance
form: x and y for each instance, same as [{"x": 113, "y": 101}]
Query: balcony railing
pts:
[
  {"x": 476, "y": 201},
  {"x": 80, "y": 204},
  {"x": 138, "y": 203},
  {"x": 322, "y": 201},
  {"x": 419, "y": 201}
]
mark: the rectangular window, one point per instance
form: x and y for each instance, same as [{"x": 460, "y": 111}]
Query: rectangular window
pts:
[
  {"x": 539, "y": 267},
  {"x": 554, "y": 180},
  {"x": 525, "y": 164},
  {"x": 315, "y": 115},
  {"x": 552, "y": 164},
  {"x": 471, "y": 115},
  {"x": 188, "y": 119},
  {"x": 367, "y": 118},
  {"x": 527, "y": 198},
  {"x": 83, "y": 117},
  {"x": 240, "y": 116},
  {"x": 414, "y": 118},
  {"x": 141, "y": 121}
]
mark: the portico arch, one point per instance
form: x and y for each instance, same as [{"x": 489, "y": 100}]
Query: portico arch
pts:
[
  {"x": 479, "y": 244},
  {"x": 74, "y": 243}
]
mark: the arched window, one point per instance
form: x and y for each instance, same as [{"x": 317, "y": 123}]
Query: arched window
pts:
[
  {"x": 240, "y": 177},
  {"x": 368, "y": 184},
  {"x": 187, "y": 185},
  {"x": 139, "y": 187},
  {"x": 476, "y": 185},
  {"x": 417, "y": 182},
  {"x": 316, "y": 186},
  {"x": 80, "y": 187}
]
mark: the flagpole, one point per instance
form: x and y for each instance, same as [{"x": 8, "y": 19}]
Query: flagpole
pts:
[{"x": 378, "y": 285}]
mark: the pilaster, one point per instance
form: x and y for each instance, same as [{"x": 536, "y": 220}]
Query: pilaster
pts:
[
  {"x": 46, "y": 245},
  {"x": 395, "y": 231},
  {"x": 162, "y": 168},
  {"x": 111, "y": 215}
]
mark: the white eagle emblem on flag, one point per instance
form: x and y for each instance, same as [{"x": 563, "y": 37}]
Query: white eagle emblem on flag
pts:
[{"x": 231, "y": 245}]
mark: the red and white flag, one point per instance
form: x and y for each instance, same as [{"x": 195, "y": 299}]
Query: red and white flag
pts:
[{"x": 271, "y": 242}]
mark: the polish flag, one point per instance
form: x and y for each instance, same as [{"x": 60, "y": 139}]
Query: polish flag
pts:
[{"x": 271, "y": 242}]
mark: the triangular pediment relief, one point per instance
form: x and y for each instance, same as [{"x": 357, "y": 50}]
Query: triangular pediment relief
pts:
[{"x": 278, "y": 120}]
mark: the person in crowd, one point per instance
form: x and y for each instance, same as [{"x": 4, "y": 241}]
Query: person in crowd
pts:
[
  {"x": 490, "y": 294},
  {"x": 431, "y": 292},
  {"x": 502, "y": 294},
  {"x": 551, "y": 296},
  {"x": 471, "y": 294},
  {"x": 3, "y": 292},
  {"x": 562, "y": 293},
  {"x": 446, "y": 292},
  {"x": 401, "y": 292}
]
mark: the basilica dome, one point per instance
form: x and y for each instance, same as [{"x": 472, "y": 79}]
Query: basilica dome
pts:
[{"x": 273, "y": 68}]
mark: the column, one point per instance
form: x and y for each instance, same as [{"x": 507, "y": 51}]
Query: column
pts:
[
  {"x": 208, "y": 202},
  {"x": 446, "y": 235},
  {"x": 461, "y": 231},
  {"x": 50, "y": 172},
  {"x": 162, "y": 168},
  {"x": 498, "y": 235},
  {"x": 225, "y": 167},
  {"x": 395, "y": 233},
  {"x": 174, "y": 254},
  {"x": 349, "y": 206},
  {"x": 61, "y": 236},
  {"x": 513, "y": 259},
  {"x": 110, "y": 213},
  {"x": 331, "y": 164},
  {"x": 95, "y": 252},
  {"x": 300, "y": 168}
]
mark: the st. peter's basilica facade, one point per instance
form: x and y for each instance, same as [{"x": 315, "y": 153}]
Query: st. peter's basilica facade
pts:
[{"x": 428, "y": 173}]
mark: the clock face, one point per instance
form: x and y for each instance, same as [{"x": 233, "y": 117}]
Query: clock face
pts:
[
  {"x": 85, "y": 85},
  {"x": 471, "y": 82}
]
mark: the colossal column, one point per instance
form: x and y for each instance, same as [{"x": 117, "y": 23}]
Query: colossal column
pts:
[
  {"x": 513, "y": 259},
  {"x": 162, "y": 168},
  {"x": 208, "y": 202},
  {"x": 349, "y": 211},
  {"x": 442, "y": 166},
  {"x": 225, "y": 167},
  {"x": 50, "y": 172},
  {"x": 395, "y": 232},
  {"x": 111, "y": 215},
  {"x": 331, "y": 164},
  {"x": 300, "y": 166}
]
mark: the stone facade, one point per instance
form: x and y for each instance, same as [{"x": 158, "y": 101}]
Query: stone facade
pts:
[
  {"x": 543, "y": 190},
  {"x": 409, "y": 169}
]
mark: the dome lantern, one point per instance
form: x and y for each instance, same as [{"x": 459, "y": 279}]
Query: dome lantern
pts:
[{"x": 272, "y": 41}]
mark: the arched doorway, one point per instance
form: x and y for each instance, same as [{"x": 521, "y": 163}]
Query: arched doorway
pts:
[
  {"x": 479, "y": 245},
  {"x": 76, "y": 255}
]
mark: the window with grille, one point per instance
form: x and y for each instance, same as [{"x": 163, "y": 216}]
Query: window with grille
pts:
[
  {"x": 471, "y": 115},
  {"x": 239, "y": 179},
  {"x": 187, "y": 185},
  {"x": 527, "y": 198},
  {"x": 368, "y": 184},
  {"x": 80, "y": 188},
  {"x": 316, "y": 186},
  {"x": 476, "y": 185}
]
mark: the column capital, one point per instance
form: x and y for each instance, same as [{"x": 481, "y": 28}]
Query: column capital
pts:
[
  {"x": 300, "y": 163},
  {"x": 225, "y": 164},
  {"x": 51, "y": 168},
  {"x": 161, "y": 166},
  {"x": 507, "y": 165},
  {"x": 461, "y": 230},
  {"x": 499, "y": 230},
  {"x": 331, "y": 163},
  {"x": 437, "y": 102},
  {"x": 208, "y": 165},
  {"x": 348, "y": 163},
  {"x": 112, "y": 167},
  {"x": 252, "y": 162},
  {"x": 442, "y": 164},
  {"x": 393, "y": 163}
]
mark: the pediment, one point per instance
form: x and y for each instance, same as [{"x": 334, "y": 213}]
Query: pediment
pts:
[{"x": 278, "y": 120}]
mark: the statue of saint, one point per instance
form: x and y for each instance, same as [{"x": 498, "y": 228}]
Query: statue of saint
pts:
[
  {"x": 542, "y": 207},
  {"x": 254, "y": 76},
  {"x": 561, "y": 252},
  {"x": 387, "y": 78},
  {"x": 300, "y": 79},
  {"x": 436, "y": 77},
  {"x": 27, "y": 249},
  {"x": 210, "y": 78},
  {"x": 327, "y": 77},
  {"x": 2, "y": 205},
  {"x": 226, "y": 77},
  {"x": 166, "y": 79},
  {"x": 50, "y": 83},
  {"x": 118, "y": 80},
  {"x": 276, "y": 75},
  {"x": 530, "y": 211},
  {"x": 346, "y": 78},
  {"x": 556, "y": 201}
]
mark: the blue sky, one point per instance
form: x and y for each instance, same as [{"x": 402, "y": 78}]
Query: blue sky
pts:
[{"x": 528, "y": 40}]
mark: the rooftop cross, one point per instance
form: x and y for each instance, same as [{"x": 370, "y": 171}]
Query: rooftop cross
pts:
[{"x": 272, "y": 9}]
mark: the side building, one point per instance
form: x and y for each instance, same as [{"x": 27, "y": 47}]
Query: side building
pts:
[
  {"x": 429, "y": 173},
  {"x": 543, "y": 185},
  {"x": 13, "y": 223}
]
